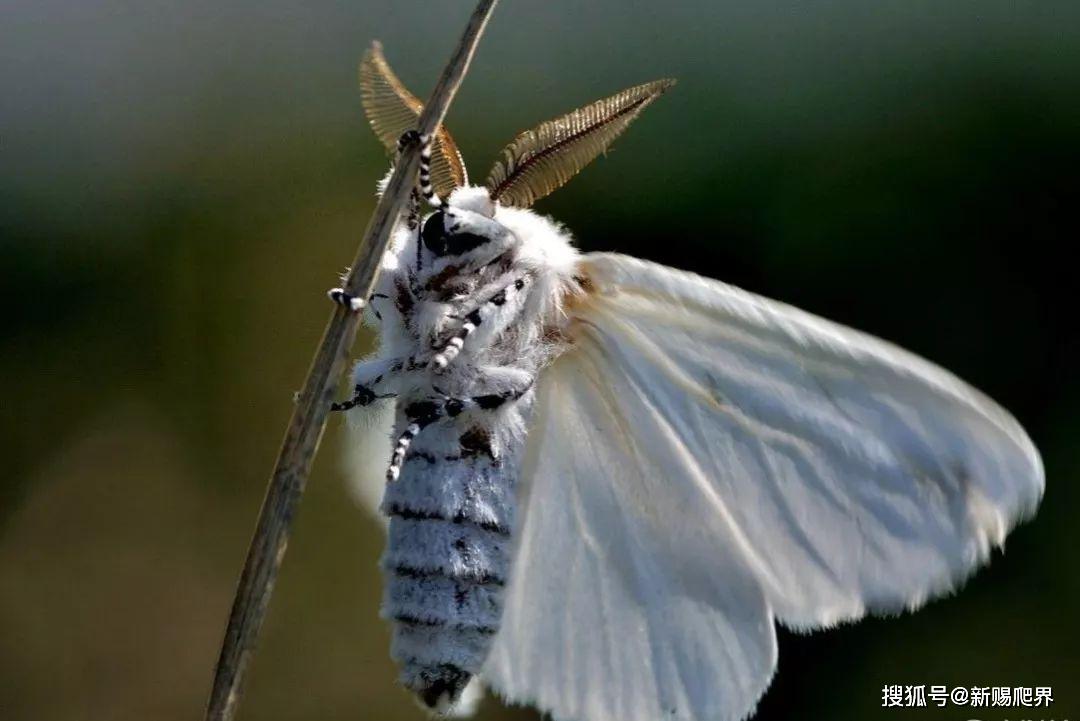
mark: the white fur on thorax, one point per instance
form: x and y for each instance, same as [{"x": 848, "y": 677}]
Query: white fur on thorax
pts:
[{"x": 544, "y": 253}]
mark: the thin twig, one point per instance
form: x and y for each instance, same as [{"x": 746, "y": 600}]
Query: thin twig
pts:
[{"x": 305, "y": 428}]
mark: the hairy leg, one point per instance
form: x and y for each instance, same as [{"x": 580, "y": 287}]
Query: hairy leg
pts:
[
  {"x": 408, "y": 138},
  {"x": 496, "y": 312},
  {"x": 495, "y": 386},
  {"x": 374, "y": 379}
]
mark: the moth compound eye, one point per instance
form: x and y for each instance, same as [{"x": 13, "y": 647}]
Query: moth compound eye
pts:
[
  {"x": 434, "y": 233},
  {"x": 459, "y": 243},
  {"x": 455, "y": 239}
]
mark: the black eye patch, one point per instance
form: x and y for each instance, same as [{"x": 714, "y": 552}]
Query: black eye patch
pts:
[
  {"x": 463, "y": 242},
  {"x": 434, "y": 233},
  {"x": 440, "y": 243}
]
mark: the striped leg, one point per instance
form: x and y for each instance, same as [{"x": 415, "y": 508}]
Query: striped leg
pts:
[
  {"x": 397, "y": 459},
  {"x": 346, "y": 300},
  {"x": 502, "y": 383},
  {"x": 374, "y": 379},
  {"x": 408, "y": 138},
  {"x": 506, "y": 384},
  {"x": 352, "y": 302},
  {"x": 425, "y": 173},
  {"x": 420, "y": 414},
  {"x": 450, "y": 351},
  {"x": 362, "y": 396}
]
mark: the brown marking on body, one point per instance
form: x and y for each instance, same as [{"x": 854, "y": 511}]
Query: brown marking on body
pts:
[
  {"x": 403, "y": 297},
  {"x": 476, "y": 441},
  {"x": 578, "y": 291},
  {"x": 575, "y": 294},
  {"x": 554, "y": 335},
  {"x": 437, "y": 283},
  {"x": 504, "y": 262}
]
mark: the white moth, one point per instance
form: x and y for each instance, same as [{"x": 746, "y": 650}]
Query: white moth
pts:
[{"x": 610, "y": 479}]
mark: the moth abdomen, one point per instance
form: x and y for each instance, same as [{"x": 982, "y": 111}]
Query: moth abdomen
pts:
[
  {"x": 446, "y": 564},
  {"x": 445, "y": 608},
  {"x": 455, "y": 550}
]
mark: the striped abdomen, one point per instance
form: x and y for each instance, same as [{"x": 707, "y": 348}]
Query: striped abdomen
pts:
[{"x": 446, "y": 563}]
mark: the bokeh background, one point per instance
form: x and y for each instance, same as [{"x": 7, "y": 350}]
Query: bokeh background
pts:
[{"x": 181, "y": 181}]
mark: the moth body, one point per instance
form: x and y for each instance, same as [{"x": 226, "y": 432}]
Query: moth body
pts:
[{"x": 451, "y": 504}]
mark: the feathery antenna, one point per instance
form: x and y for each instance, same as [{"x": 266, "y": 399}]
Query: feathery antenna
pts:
[
  {"x": 541, "y": 160},
  {"x": 392, "y": 110}
]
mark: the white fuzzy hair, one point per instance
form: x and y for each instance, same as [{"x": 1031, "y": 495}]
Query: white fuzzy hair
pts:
[{"x": 452, "y": 508}]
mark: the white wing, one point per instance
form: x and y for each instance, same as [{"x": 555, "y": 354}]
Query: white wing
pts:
[
  {"x": 368, "y": 446},
  {"x": 703, "y": 459}
]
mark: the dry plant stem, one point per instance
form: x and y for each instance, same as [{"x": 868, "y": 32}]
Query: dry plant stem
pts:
[{"x": 313, "y": 405}]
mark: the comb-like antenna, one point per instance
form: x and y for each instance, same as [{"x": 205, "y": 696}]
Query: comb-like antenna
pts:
[
  {"x": 392, "y": 110},
  {"x": 542, "y": 159}
]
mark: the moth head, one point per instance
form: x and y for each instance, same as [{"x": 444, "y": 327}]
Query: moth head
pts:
[
  {"x": 451, "y": 230},
  {"x": 535, "y": 163},
  {"x": 464, "y": 223}
]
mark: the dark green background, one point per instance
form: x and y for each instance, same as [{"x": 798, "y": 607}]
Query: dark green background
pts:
[{"x": 181, "y": 181}]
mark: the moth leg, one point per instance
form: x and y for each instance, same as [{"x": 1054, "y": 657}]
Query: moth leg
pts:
[
  {"x": 362, "y": 396},
  {"x": 420, "y": 414},
  {"x": 410, "y": 137},
  {"x": 412, "y": 211},
  {"x": 497, "y": 311},
  {"x": 497, "y": 385},
  {"x": 371, "y": 299},
  {"x": 372, "y": 381},
  {"x": 353, "y": 303},
  {"x": 412, "y": 222},
  {"x": 346, "y": 300}
]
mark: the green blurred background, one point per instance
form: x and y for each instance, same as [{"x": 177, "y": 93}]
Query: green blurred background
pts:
[{"x": 181, "y": 181}]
